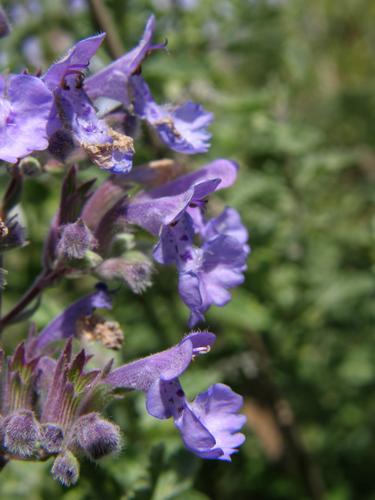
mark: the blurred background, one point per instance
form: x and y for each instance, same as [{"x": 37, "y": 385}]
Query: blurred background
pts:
[{"x": 292, "y": 87}]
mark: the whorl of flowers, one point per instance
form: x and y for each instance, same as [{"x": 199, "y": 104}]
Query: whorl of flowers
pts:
[{"x": 51, "y": 401}]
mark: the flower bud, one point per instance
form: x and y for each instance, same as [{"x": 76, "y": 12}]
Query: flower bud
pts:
[
  {"x": 13, "y": 235},
  {"x": 21, "y": 433},
  {"x": 30, "y": 166},
  {"x": 76, "y": 239},
  {"x": 52, "y": 438},
  {"x": 97, "y": 437},
  {"x": 135, "y": 270},
  {"x": 66, "y": 468}
]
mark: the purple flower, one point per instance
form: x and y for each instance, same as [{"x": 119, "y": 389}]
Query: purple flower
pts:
[
  {"x": 208, "y": 273},
  {"x": 213, "y": 412},
  {"x": 182, "y": 128},
  {"x": 69, "y": 398},
  {"x": 106, "y": 147},
  {"x": 227, "y": 223},
  {"x": 209, "y": 425},
  {"x": 75, "y": 61},
  {"x": 25, "y": 106},
  {"x": 64, "y": 326},
  {"x": 175, "y": 212},
  {"x": 113, "y": 80},
  {"x": 74, "y": 113},
  {"x": 165, "y": 204}
]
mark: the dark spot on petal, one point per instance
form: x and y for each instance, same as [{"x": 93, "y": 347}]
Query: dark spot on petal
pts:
[{"x": 180, "y": 393}]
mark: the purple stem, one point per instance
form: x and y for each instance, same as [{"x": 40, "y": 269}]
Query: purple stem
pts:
[{"x": 44, "y": 280}]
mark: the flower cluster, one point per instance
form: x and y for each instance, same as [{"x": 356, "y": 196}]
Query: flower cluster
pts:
[
  {"x": 51, "y": 405},
  {"x": 56, "y": 111},
  {"x": 50, "y": 408}
]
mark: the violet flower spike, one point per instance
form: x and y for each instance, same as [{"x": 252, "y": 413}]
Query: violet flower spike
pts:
[{"x": 209, "y": 425}]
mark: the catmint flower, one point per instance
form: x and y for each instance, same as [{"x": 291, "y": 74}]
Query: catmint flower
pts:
[
  {"x": 90, "y": 235},
  {"x": 25, "y": 106},
  {"x": 176, "y": 213},
  {"x": 74, "y": 116},
  {"x": 209, "y": 425},
  {"x": 113, "y": 80},
  {"x": 164, "y": 204},
  {"x": 182, "y": 128},
  {"x": 65, "y": 325},
  {"x": 208, "y": 272},
  {"x": 227, "y": 223}
]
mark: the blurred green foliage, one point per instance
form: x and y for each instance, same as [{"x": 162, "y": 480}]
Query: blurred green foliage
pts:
[{"x": 292, "y": 86}]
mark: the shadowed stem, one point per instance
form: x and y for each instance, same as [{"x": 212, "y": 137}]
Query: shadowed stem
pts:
[
  {"x": 269, "y": 394},
  {"x": 3, "y": 462},
  {"x": 44, "y": 280},
  {"x": 105, "y": 22},
  {"x": 1, "y": 289}
]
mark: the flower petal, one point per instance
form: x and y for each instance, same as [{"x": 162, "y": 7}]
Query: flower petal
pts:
[
  {"x": 112, "y": 81},
  {"x": 24, "y": 111},
  {"x": 216, "y": 411},
  {"x": 183, "y": 128},
  {"x": 166, "y": 365},
  {"x": 64, "y": 325},
  {"x": 109, "y": 149},
  {"x": 76, "y": 60}
]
